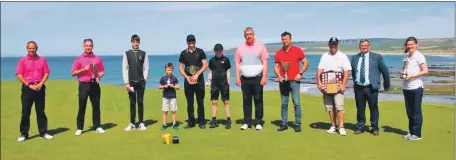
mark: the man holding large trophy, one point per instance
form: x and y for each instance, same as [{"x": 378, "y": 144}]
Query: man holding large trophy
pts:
[
  {"x": 89, "y": 69},
  {"x": 286, "y": 68},
  {"x": 332, "y": 75},
  {"x": 192, "y": 64}
]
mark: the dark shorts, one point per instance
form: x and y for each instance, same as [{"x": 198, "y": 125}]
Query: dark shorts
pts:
[{"x": 224, "y": 90}]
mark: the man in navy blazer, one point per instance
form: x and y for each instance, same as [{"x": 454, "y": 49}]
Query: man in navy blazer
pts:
[{"x": 367, "y": 68}]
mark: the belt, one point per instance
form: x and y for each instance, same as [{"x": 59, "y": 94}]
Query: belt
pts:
[
  {"x": 259, "y": 75},
  {"x": 363, "y": 86},
  {"x": 34, "y": 83}
]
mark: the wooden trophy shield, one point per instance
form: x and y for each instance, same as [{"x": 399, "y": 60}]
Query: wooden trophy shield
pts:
[{"x": 331, "y": 82}]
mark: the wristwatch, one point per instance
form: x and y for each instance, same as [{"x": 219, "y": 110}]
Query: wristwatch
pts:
[{"x": 300, "y": 74}]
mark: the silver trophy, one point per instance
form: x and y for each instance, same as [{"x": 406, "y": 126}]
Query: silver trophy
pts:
[
  {"x": 94, "y": 72},
  {"x": 168, "y": 82},
  {"x": 404, "y": 69}
]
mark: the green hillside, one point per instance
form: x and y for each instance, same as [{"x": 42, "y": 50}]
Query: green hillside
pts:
[{"x": 388, "y": 45}]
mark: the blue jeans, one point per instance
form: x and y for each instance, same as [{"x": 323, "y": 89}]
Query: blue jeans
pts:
[
  {"x": 413, "y": 99},
  {"x": 285, "y": 89}
]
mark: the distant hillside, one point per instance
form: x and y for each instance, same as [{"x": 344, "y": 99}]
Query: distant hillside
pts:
[{"x": 384, "y": 45}]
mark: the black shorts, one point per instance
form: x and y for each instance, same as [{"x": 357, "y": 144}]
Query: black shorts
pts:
[{"x": 224, "y": 90}]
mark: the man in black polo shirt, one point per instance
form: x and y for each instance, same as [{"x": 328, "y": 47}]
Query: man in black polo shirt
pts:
[
  {"x": 135, "y": 68},
  {"x": 219, "y": 77},
  {"x": 192, "y": 64}
]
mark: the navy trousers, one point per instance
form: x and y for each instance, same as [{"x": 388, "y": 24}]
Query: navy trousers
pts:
[{"x": 413, "y": 99}]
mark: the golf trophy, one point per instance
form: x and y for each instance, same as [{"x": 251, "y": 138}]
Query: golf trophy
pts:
[
  {"x": 168, "y": 82},
  {"x": 404, "y": 69},
  {"x": 331, "y": 82},
  {"x": 94, "y": 72},
  {"x": 285, "y": 66},
  {"x": 192, "y": 70}
]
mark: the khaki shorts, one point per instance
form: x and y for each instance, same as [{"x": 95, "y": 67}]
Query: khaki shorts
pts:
[
  {"x": 330, "y": 100},
  {"x": 169, "y": 105}
]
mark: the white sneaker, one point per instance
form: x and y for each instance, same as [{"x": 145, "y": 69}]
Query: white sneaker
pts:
[
  {"x": 21, "y": 139},
  {"x": 258, "y": 127},
  {"x": 331, "y": 130},
  {"x": 244, "y": 127},
  {"x": 342, "y": 132},
  {"x": 78, "y": 132},
  {"x": 142, "y": 127},
  {"x": 130, "y": 127},
  {"x": 47, "y": 137},
  {"x": 99, "y": 130},
  {"x": 407, "y": 136}
]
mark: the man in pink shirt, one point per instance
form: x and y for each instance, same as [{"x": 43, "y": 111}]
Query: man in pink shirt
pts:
[
  {"x": 251, "y": 60},
  {"x": 33, "y": 71},
  {"x": 89, "y": 69}
]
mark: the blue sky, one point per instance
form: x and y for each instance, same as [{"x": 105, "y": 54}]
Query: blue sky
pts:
[{"x": 60, "y": 27}]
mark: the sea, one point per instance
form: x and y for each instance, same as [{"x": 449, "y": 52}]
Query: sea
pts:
[{"x": 61, "y": 70}]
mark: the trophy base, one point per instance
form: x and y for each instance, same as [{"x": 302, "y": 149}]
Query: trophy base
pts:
[{"x": 93, "y": 80}]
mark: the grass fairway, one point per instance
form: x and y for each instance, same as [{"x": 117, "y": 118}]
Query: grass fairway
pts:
[{"x": 219, "y": 143}]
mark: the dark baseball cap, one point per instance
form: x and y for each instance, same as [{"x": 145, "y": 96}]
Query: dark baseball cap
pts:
[
  {"x": 218, "y": 47},
  {"x": 191, "y": 37},
  {"x": 333, "y": 40}
]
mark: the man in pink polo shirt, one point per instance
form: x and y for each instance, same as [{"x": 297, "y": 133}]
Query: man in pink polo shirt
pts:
[
  {"x": 89, "y": 69},
  {"x": 33, "y": 71},
  {"x": 251, "y": 60}
]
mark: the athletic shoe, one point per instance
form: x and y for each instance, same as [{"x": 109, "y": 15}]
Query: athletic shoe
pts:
[
  {"x": 213, "y": 124},
  {"x": 78, "y": 132},
  {"x": 22, "y": 138},
  {"x": 331, "y": 130},
  {"x": 228, "y": 124},
  {"x": 99, "y": 130},
  {"x": 258, "y": 127},
  {"x": 142, "y": 127},
  {"x": 407, "y": 136},
  {"x": 164, "y": 127},
  {"x": 47, "y": 137},
  {"x": 414, "y": 138},
  {"x": 130, "y": 127},
  {"x": 245, "y": 127},
  {"x": 176, "y": 126},
  {"x": 342, "y": 132}
]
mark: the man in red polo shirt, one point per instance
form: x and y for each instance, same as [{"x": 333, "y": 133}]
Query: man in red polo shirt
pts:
[
  {"x": 89, "y": 69},
  {"x": 287, "y": 60},
  {"x": 33, "y": 71}
]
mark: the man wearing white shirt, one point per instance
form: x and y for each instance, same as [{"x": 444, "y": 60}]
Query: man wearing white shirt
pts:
[{"x": 336, "y": 61}]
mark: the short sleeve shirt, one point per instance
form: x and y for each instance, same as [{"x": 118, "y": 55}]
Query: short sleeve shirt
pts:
[
  {"x": 196, "y": 58},
  {"x": 294, "y": 55},
  {"x": 219, "y": 67},
  {"x": 338, "y": 62},
  {"x": 250, "y": 58},
  {"x": 169, "y": 93},
  {"x": 413, "y": 67},
  {"x": 32, "y": 68}
]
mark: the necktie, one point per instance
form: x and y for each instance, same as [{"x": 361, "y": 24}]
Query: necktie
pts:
[{"x": 362, "y": 77}]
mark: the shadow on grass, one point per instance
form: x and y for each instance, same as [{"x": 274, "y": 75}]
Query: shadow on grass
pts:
[
  {"x": 53, "y": 132},
  {"x": 326, "y": 126},
  {"x": 105, "y": 127},
  {"x": 171, "y": 123},
  {"x": 150, "y": 122},
  {"x": 197, "y": 121},
  {"x": 278, "y": 123},
  {"x": 388, "y": 129}
]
